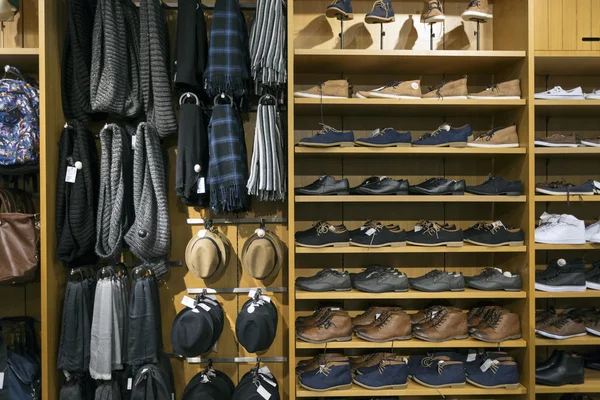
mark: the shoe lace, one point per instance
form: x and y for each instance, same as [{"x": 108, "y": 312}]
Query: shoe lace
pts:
[
  {"x": 440, "y": 367},
  {"x": 494, "y": 319},
  {"x": 427, "y": 360},
  {"x": 434, "y": 133},
  {"x": 377, "y": 132},
  {"x": 325, "y": 322},
  {"x": 562, "y": 321},
  {"x": 435, "y": 5},
  {"x": 433, "y": 273},
  {"x": 556, "y": 136},
  {"x": 487, "y": 137},
  {"x": 554, "y": 90},
  {"x": 431, "y": 229},
  {"x": 439, "y": 276},
  {"x": 562, "y": 184},
  {"x": 326, "y": 129},
  {"x": 487, "y": 273},
  {"x": 438, "y": 90},
  {"x": 324, "y": 369},
  {"x": 474, "y": 3},
  {"x": 439, "y": 318},
  {"x": 383, "y": 319},
  {"x": 322, "y": 227},
  {"x": 479, "y": 226}
]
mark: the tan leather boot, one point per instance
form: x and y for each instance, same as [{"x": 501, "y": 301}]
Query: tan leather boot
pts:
[
  {"x": 334, "y": 327},
  {"x": 501, "y": 325},
  {"x": 426, "y": 324},
  {"x": 446, "y": 325},
  {"x": 478, "y": 9},
  {"x": 371, "y": 315},
  {"x": 477, "y": 314},
  {"x": 391, "y": 325},
  {"x": 434, "y": 13},
  {"x": 425, "y": 314},
  {"x": 317, "y": 315}
]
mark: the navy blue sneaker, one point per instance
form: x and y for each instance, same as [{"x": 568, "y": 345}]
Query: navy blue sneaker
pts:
[
  {"x": 385, "y": 138},
  {"x": 381, "y": 13},
  {"x": 340, "y": 8},
  {"x": 418, "y": 362},
  {"x": 446, "y": 135},
  {"x": 388, "y": 374},
  {"x": 329, "y": 137},
  {"x": 441, "y": 373},
  {"x": 497, "y": 374},
  {"x": 335, "y": 375}
]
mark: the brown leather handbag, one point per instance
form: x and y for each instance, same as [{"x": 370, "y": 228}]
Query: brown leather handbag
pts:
[{"x": 19, "y": 237}]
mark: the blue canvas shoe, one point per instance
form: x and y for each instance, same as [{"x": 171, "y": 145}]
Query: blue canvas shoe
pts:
[
  {"x": 340, "y": 8},
  {"x": 388, "y": 374},
  {"x": 334, "y": 375},
  {"x": 387, "y": 137},
  {"x": 444, "y": 136},
  {"x": 329, "y": 137},
  {"x": 381, "y": 13},
  {"x": 442, "y": 373},
  {"x": 497, "y": 374}
]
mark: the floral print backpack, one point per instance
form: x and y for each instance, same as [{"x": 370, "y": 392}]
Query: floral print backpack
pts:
[{"x": 19, "y": 119}]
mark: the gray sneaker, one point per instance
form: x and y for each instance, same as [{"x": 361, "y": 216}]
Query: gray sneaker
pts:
[
  {"x": 326, "y": 280},
  {"x": 387, "y": 280},
  {"x": 495, "y": 279},
  {"x": 440, "y": 282}
]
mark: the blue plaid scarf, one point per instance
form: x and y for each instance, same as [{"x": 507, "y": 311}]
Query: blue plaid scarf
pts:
[
  {"x": 228, "y": 161},
  {"x": 229, "y": 55}
]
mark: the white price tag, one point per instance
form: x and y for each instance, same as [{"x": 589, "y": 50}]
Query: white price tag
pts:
[
  {"x": 130, "y": 380},
  {"x": 201, "y": 233},
  {"x": 370, "y": 232},
  {"x": 133, "y": 141},
  {"x": 334, "y": 309},
  {"x": 1, "y": 380},
  {"x": 252, "y": 293},
  {"x": 188, "y": 302},
  {"x": 265, "y": 371},
  {"x": 471, "y": 357},
  {"x": 377, "y": 316},
  {"x": 263, "y": 392},
  {"x": 265, "y": 298},
  {"x": 71, "y": 175},
  {"x": 204, "y": 307},
  {"x": 486, "y": 365},
  {"x": 270, "y": 382},
  {"x": 201, "y": 185},
  {"x": 260, "y": 232}
]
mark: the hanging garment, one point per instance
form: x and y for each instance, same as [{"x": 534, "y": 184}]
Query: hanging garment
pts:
[
  {"x": 115, "y": 73},
  {"x": 268, "y": 46},
  {"x": 115, "y": 203},
  {"x": 191, "y": 45},
  {"x": 77, "y": 60},
  {"x": 76, "y": 201},
  {"x": 149, "y": 238},
  {"x": 78, "y": 387},
  {"x": 228, "y": 55},
  {"x": 267, "y": 169},
  {"x": 154, "y": 57},
  {"x": 144, "y": 337},
  {"x": 228, "y": 163}
]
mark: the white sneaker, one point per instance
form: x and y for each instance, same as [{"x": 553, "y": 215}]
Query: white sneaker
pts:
[
  {"x": 592, "y": 230},
  {"x": 558, "y": 93},
  {"x": 566, "y": 230},
  {"x": 595, "y": 95}
]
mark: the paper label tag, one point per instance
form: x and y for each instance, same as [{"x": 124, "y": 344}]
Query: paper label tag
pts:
[
  {"x": 334, "y": 309},
  {"x": 414, "y": 85},
  {"x": 189, "y": 302},
  {"x": 263, "y": 392},
  {"x": 214, "y": 348},
  {"x": 204, "y": 307},
  {"x": 260, "y": 232},
  {"x": 265, "y": 371},
  {"x": 418, "y": 228},
  {"x": 251, "y": 309},
  {"x": 201, "y": 233},
  {"x": 201, "y": 186},
  {"x": 71, "y": 175},
  {"x": 486, "y": 365},
  {"x": 133, "y": 141},
  {"x": 270, "y": 382},
  {"x": 172, "y": 396},
  {"x": 1, "y": 380},
  {"x": 471, "y": 357},
  {"x": 266, "y": 298},
  {"x": 252, "y": 293},
  {"x": 370, "y": 232},
  {"x": 377, "y": 316},
  {"x": 130, "y": 380}
]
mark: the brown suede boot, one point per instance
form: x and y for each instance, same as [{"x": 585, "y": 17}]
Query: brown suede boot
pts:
[
  {"x": 434, "y": 13},
  {"x": 391, "y": 325},
  {"x": 456, "y": 90},
  {"x": 334, "y": 89},
  {"x": 371, "y": 315},
  {"x": 335, "y": 327},
  {"x": 445, "y": 326},
  {"x": 477, "y": 9},
  {"x": 509, "y": 90},
  {"x": 501, "y": 325}
]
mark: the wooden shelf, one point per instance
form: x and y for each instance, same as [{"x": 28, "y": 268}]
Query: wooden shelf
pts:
[
  {"x": 411, "y": 294},
  {"x": 467, "y": 248},
  {"x": 587, "y": 340},
  {"x": 357, "y": 343},
  {"x": 591, "y": 385},
  {"x": 414, "y": 151},
  {"x": 587, "y": 246},
  {"x": 572, "y": 198},
  {"x": 418, "y": 107},
  {"x": 467, "y": 198},
  {"x": 25, "y": 59},
  {"x": 566, "y": 108},
  {"x": 566, "y": 151},
  {"x": 404, "y": 61},
  {"x": 567, "y": 295},
  {"x": 567, "y": 64},
  {"x": 413, "y": 389}
]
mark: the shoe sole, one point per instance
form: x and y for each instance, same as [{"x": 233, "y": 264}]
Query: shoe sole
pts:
[
  {"x": 436, "y": 291},
  {"x": 449, "y": 385},
  {"x": 552, "y": 193},
  {"x": 316, "y": 96},
  {"x": 382, "y": 145},
  {"x": 323, "y": 194},
  {"x": 562, "y": 241},
  {"x": 553, "y": 336},
  {"x": 419, "y": 193},
  {"x": 559, "y": 97},
  {"x": 461, "y": 337},
  {"x": 500, "y": 98},
  {"x": 384, "y": 340},
  {"x": 508, "y": 386},
  {"x": 384, "y": 194},
  {"x": 341, "y": 387},
  {"x": 558, "y": 289},
  {"x": 394, "y": 244},
  {"x": 382, "y": 291},
  {"x": 342, "y": 339},
  {"x": 378, "y": 20},
  {"x": 312, "y": 246},
  {"x": 344, "y": 144},
  {"x": 492, "y": 194},
  {"x": 592, "y": 285},
  {"x": 392, "y": 96},
  {"x": 546, "y": 144},
  {"x": 513, "y": 337},
  {"x": 453, "y": 144},
  {"x": 492, "y": 146},
  {"x": 322, "y": 291},
  {"x": 593, "y": 331},
  {"x": 590, "y": 144},
  {"x": 334, "y": 12},
  {"x": 401, "y": 386},
  {"x": 555, "y": 383},
  {"x": 433, "y": 20},
  {"x": 592, "y": 97},
  {"x": 449, "y": 244},
  {"x": 496, "y": 245},
  {"x": 470, "y": 15}
]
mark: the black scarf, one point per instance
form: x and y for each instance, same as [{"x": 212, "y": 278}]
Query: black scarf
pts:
[{"x": 191, "y": 46}]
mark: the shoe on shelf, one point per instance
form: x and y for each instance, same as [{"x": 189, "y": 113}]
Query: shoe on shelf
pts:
[
  {"x": 325, "y": 185},
  {"x": 320, "y": 359},
  {"x": 447, "y": 324},
  {"x": 566, "y": 369},
  {"x": 340, "y": 9},
  {"x": 387, "y": 137},
  {"x": 591, "y": 142},
  {"x": 368, "y": 360},
  {"x": 592, "y": 322},
  {"x": 595, "y": 95},
  {"x": 495, "y": 374},
  {"x": 333, "y": 375},
  {"x": 379, "y": 236},
  {"x": 390, "y": 373},
  {"x": 558, "y": 93},
  {"x": 371, "y": 314},
  {"x": 356, "y": 276},
  {"x": 323, "y": 234},
  {"x": 439, "y": 186},
  {"x": 477, "y": 10},
  {"x": 475, "y": 230},
  {"x": 564, "y": 188},
  {"x": 592, "y": 361},
  {"x": 496, "y": 185},
  {"x": 456, "y": 90},
  {"x": 332, "y": 89},
  {"x": 496, "y": 138},
  {"x": 509, "y": 90},
  {"x": 418, "y": 362},
  {"x": 435, "y": 235},
  {"x": 334, "y": 326},
  {"x": 326, "y": 280},
  {"x": 495, "y": 279},
  {"x": 566, "y": 230},
  {"x": 387, "y": 280},
  {"x": 558, "y": 140},
  {"x": 591, "y": 230},
  {"x": 380, "y": 186},
  {"x": 391, "y": 325},
  {"x": 316, "y": 316},
  {"x": 394, "y": 90},
  {"x": 564, "y": 327},
  {"x": 496, "y": 234},
  {"x": 592, "y": 276},
  {"x": 329, "y": 137},
  {"x": 441, "y": 372},
  {"x": 381, "y": 13},
  {"x": 440, "y": 281},
  {"x": 498, "y": 326},
  {"x": 446, "y": 135},
  {"x": 477, "y": 315},
  {"x": 564, "y": 276},
  {"x": 426, "y": 314},
  {"x": 435, "y": 12}
]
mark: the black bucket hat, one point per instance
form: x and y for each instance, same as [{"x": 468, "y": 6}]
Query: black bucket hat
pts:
[{"x": 256, "y": 325}]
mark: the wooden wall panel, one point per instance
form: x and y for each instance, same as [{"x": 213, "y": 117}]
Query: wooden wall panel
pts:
[
  {"x": 555, "y": 27},
  {"x": 584, "y": 23},
  {"x": 569, "y": 25},
  {"x": 595, "y": 15},
  {"x": 541, "y": 24}
]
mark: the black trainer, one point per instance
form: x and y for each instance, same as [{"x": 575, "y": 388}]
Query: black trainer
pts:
[
  {"x": 567, "y": 276},
  {"x": 323, "y": 234},
  {"x": 381, "y": 186},
  {"x": 592, "y": 276},
  {"x": 325, "y": 185},
  {"x": 326, "y": 280},
  {"x": 439, "y": 186},
  {"x": 367, "y": 272},
  {"x": 379, "y": 236},
  {"x": 495, "y": 279},
  {"x": 383, "y": 280},
  {"x": 428, "y": 275},
  {"x": 496, "y": 234},
  {"x": 440, "y": 282},
  {"x": 435, "y": 235},
  {"x": 495, "y": 185}
]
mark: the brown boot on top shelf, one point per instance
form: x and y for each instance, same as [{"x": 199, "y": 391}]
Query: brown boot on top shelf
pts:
[
  {"x": 391, "y": 325},
  {"x": 509, "y": 90},
  {"x": 371, "y": 315},
  {"x": 500, "y": 325},
  {"x": 434, "y": 13},
  {"x": 395, "y": 90},
  {"x": 333, "y": 327},
  {"x": 447, "y": 325},
  {"x": 478, "y": 9},
  {"x": 332, "y": 89},
  {"x": 456, "y": 90}
]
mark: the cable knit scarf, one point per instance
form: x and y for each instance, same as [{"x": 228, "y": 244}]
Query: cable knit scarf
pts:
[
  {"x": 115, "y": 73},
  {"x": 150, "y": 236},
  {"x": 154, "y": 53}
]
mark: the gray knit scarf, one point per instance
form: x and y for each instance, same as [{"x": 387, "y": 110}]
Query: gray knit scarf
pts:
[
  {"x": 115, "y": 75},
  {"x": 150, "y": 236},
  {"x": 154, "y": 56}
]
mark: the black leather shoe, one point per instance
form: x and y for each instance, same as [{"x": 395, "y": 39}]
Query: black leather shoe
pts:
[
  {"x": 549, "y": 362},
  {"x": 495, "y": 185},
  {"x": 381, "y": 186},
  {"x": 568, "y": 369},
  {"x": 439, "y": 186},
  {"x": 325, "y": 185},
  {"x": 593, "y": 361}
]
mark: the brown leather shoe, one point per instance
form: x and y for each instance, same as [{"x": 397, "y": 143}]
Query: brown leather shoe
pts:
[
  {"x": 371, "y": 315},
  {"x": 544, "y": 318},
  {"x": 446, "y": 325},
  {"x": 428, "y": 321},
  {"x": 500, "y": 326},
  {"x": 317, "y": 315},
  {"x": 425, "y": 314},
  {"x": 391, "y": 325},
  {"x": 477, "y": 314},
  {"x": 334, "y": 327},
  {"x": 322, "y": 358},
  {"x": 564, "y": 327},
  {"x": 369, "y": 360}
]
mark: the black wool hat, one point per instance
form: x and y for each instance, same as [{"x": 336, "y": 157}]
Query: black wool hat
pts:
[
  {"x": 192, "y": 332},
  {"x": 256, "y": 325},
  {"x": 251, "y": 383},
  {"x": 209, "y": 385},
  {"x": 215, "y": 310}
]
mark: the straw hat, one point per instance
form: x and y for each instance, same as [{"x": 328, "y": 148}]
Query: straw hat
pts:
[{"x": 263, "y": 254}]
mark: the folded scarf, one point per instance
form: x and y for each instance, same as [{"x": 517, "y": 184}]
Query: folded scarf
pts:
[
  {"x": 228, "y": 168},
  {"x": 191, "y": 45},
  {"x": 267, "y": 168},
  {"x": 228, "y": 55}
]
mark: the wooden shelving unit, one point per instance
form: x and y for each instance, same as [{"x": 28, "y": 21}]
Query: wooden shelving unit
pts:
[
  {"x": 591, "y": 385},
  {"x": 466, "y": 248},
  {"x": 555, "y": 247},
  {"x": 567, "y": 295},
  {"x": 467, "y": 198},
  {"x": 562, "y": 199},
  {"x": 587, "y": 340},
  {"x": 26, "y": 59},
  {"x": 357, "y": 343},
  {"x": 570, "y": 108},
  {"x": 566, "y": 151},
  {"x": 408, "y": 151},
  {"x": 354, "y": 294}
]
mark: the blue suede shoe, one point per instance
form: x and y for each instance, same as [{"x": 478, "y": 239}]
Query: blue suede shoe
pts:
[
  {"x": 420, "y": 362},
  {"x": 335, "y": 375},
  {"x": 497, "y": 374},
  {"x": 471, "y": 365},
  {"x": 387, "y": 137},
  {"x": 381, "y": 13},
  {"x": 442, "y": 373},
  {"x": 340, "y": 8},
  {"x": 388, "y": 374},
  {"x": 446, "y": 135},
  {"x": 329, "y": 137}
]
